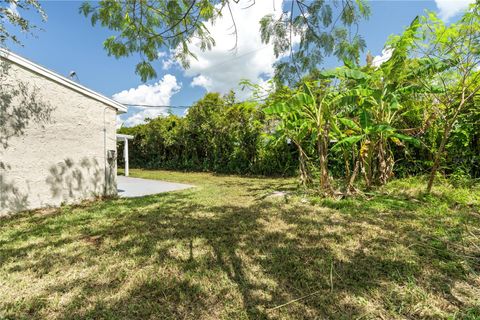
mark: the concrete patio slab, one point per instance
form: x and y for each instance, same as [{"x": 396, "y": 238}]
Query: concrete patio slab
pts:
[{"x": 129, "y": 187}]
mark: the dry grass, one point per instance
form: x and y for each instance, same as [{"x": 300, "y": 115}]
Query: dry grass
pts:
[{"x": 228, "y": 250}]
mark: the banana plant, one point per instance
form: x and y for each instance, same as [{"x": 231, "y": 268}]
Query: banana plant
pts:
[
  {"x": 305, "y": 117},
  {"x": 292, "y": 126},
  {"x": 316, "y": 103},
  {"x": 371, "y": 140},
  {"x": 377, "y": 96}
]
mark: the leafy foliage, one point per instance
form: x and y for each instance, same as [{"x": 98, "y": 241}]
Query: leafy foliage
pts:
[
  {"x": 415, "y": 112},
  {"x": 145, "y": 27},
  {"x": 322, "y": 28},
  {"x": 217, "y": 134},
  {"x": 10, "y": 16},
  {"x": 451, "y": 54}
]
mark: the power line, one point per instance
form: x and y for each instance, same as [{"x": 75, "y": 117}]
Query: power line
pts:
[
  {"x": 180, "y": 106},
  {"x": 153, "y": 106}
]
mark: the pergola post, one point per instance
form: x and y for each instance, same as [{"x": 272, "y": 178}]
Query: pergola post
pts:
[
  {"x": 125, "y": 156},
  {"x": 125, "y": 138}
]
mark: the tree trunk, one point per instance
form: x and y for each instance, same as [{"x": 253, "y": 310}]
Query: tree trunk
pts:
[
  {"x": 446, "y": 135},
  {"x": 365, "y": 156},
  {"x": 302, "y": 167},
  {"x": 322, "y": 148},
  {"x": 347, "y": 166},
  {"x": 350, "y": 187},
  {"x": 438, "y": 156},
  {"x": 385, "y": 162},
  {"x": 382, "y": 163}
]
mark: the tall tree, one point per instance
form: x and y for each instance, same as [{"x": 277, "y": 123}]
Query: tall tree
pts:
[
  {"x": 450, "y": 53},
  {"x": 322, "y": 27}
]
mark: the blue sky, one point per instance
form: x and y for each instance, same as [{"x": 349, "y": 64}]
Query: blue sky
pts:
[{"x": 68, "y": 42}]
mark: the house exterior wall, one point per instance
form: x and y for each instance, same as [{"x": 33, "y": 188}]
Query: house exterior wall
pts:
[{"x": 63, "y": 159}]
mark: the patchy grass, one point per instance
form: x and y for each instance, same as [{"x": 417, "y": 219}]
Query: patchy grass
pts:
[{"x": 227, "y": 249}]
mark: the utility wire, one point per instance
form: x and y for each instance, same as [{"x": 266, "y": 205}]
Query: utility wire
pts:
[
  {"x": 179, "y": 106},
  {"x": 152, "y": 106}
]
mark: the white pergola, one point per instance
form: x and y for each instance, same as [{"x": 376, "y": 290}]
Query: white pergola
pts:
[{"x": 125, "y": 138}]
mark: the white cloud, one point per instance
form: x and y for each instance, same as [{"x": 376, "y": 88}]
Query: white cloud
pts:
[
  {"x": 168, "y": 63},
  {"x": 169, "y": 60},
  {"x": 385, "y": 56},
  {"x": 158, "y": 93},
  {"x": 151, "y": 94},
  {"x": 141, "y": 116},
  {"x": 201, "y": 81},
  {"x": 450, "y": 8},
  {"x": 221, "y": 69}
]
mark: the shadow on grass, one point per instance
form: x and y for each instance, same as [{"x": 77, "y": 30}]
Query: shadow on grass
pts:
[{"x": 173, "y": 256}]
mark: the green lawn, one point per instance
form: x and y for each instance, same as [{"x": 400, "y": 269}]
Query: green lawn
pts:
[{"x": 227, "y": 249}]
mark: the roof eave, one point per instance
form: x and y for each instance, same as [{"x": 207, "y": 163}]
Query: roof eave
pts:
[{"x": 12, "y": 57}]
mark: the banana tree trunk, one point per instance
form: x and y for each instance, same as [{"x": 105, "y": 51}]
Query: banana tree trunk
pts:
[
  {"x": 350, "y": 187},
  {"x": 383, "y": 167},
  {"x": 346, "y": 159},
  {"x": 366, "y": 162},
  {"x": 322, "y": 148},
  {"x": 305, "y": 178}
]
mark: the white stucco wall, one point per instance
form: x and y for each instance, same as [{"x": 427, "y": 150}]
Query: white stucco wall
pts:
[{"x": 63, "y": 160}]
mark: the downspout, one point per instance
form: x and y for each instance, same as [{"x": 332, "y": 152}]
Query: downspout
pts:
[{"x": 105, "y": 151}]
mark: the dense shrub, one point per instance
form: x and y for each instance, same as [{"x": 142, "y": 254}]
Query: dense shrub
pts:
[
  {"x": 216, "y": 134},
  {"x": 220, "y": 135}
]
